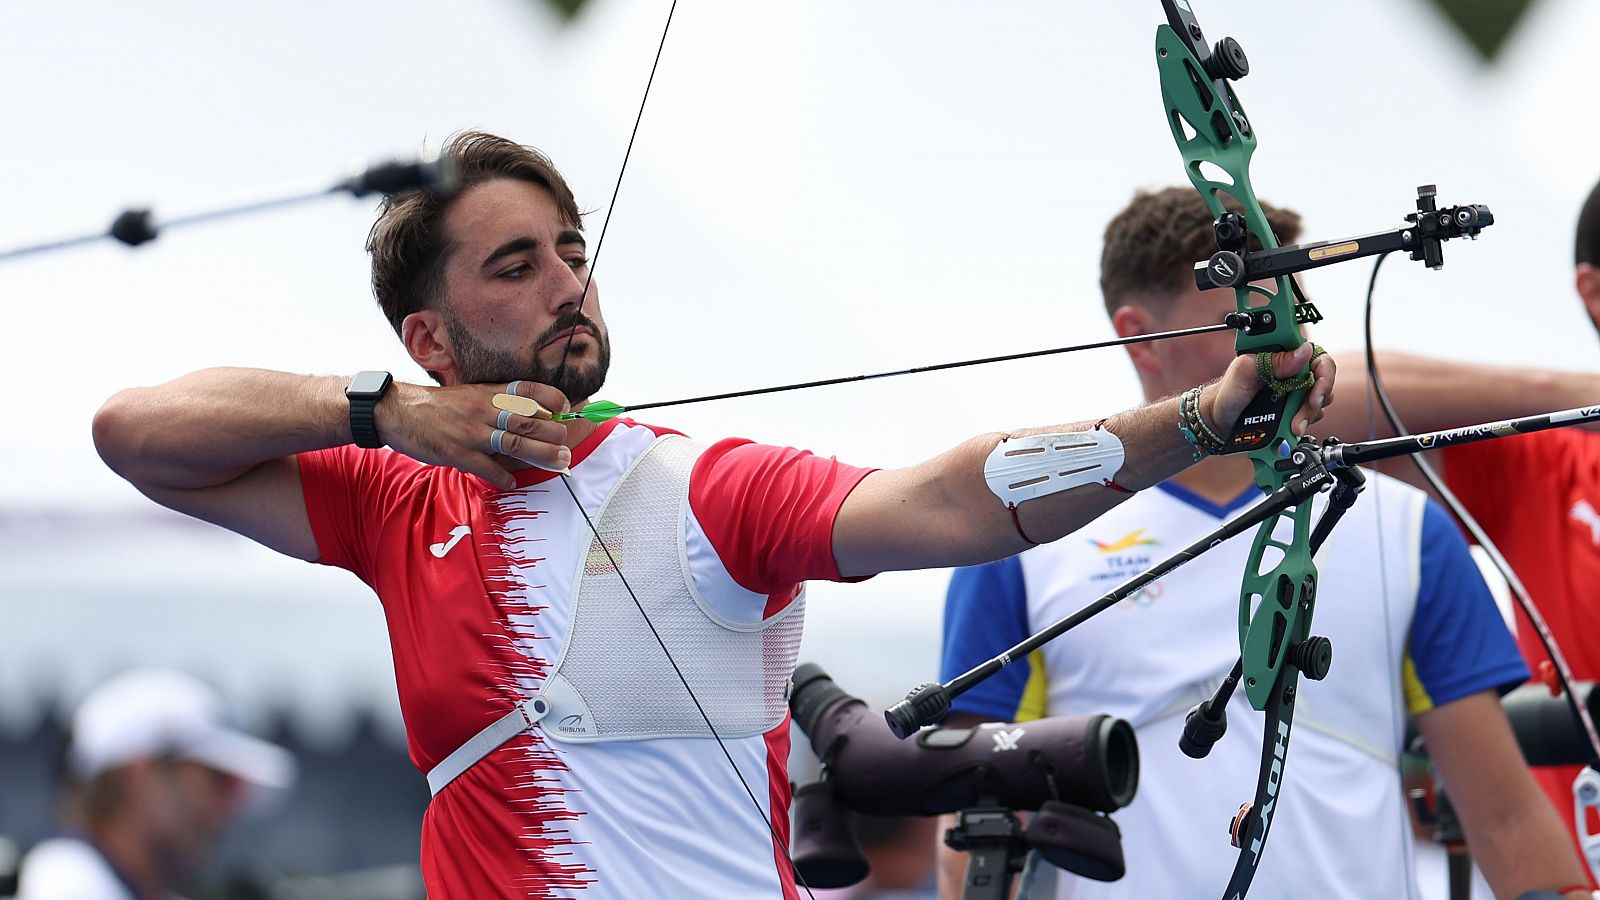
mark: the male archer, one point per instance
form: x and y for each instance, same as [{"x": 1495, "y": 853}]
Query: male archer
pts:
[
  {"x": 513, "y": 553},
  {"x": 1414, "y": 630}
]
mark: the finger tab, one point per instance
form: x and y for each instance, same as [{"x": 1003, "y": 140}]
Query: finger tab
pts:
[{"x": 522, "y": 406}]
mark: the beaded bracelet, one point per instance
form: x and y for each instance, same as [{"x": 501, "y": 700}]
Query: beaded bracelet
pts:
[
  {"x": 1202, "y": 429},
  {"x": 1188, "y": 435},
  {"x": 1201, "y": 437}
]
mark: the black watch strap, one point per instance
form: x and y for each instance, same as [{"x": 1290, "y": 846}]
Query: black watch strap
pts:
[{"x": 364, "y": 392}]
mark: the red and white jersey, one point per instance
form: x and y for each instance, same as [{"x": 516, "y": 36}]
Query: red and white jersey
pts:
[
  {"x": 475, "y": 584},
  {"x": 1536, "y": 496}
]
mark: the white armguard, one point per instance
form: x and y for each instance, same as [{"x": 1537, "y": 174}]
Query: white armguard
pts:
[{"x": 1020, "y": 469}]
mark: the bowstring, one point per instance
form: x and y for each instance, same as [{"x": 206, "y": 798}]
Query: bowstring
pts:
[
  {"x": 566, "y": 481},
  {"x": 1524, "y": 600},
  {"x": 1398, "y": 715}
]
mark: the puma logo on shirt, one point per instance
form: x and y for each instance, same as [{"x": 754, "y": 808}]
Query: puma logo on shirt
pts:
[{"x": 1584, "y": 513}]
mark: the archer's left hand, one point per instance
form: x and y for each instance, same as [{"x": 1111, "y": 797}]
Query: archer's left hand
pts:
[{"x": 1223, "y": 402}]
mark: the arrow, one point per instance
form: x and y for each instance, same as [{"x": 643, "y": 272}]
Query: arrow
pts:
[{"x": 603, "y": 410}]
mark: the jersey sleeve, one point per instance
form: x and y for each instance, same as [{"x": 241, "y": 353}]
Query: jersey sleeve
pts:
[
  {"x": 1459, "y": 643},
  {"x": 348, "y": 494},
  {"x": 769, "y": 511},
  {"x": 986, "y": 613}
]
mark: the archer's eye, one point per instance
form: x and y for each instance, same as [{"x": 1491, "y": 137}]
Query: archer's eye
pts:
[{"x": 578, "y": 263}]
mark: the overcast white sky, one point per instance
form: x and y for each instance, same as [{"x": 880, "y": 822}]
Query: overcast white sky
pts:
[{"x": 818, "y": 188}]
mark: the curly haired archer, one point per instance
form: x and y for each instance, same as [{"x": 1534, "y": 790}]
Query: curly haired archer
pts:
[{"x": 1587, "y": 248}]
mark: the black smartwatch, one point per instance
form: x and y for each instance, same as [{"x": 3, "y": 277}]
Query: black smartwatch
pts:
[{"x": 364, "y": 392}]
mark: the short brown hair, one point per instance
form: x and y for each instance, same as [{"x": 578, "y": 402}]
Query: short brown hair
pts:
[
  {"x": 1152, "y": 245},
  {"x": 408, "y": 243},
  {"x": 1588, "y": 242}
]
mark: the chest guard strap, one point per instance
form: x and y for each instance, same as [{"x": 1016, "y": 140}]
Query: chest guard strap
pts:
[{"x": 613, "y": 681}]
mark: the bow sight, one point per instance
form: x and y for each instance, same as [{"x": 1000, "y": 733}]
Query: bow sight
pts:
[{"x": 1235, "y": 265}]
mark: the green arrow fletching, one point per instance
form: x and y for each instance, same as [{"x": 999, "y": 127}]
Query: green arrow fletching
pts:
[{"x": 597, "y": 412}]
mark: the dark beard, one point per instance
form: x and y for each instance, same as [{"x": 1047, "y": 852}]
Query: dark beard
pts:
[{"x": 478, "y": 364}]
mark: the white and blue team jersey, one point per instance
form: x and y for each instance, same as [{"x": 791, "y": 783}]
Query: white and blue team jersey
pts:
[{"x": 1413, "y": 626}]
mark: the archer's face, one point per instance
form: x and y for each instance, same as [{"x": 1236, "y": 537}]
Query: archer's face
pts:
[
  {"x": 1186, "y": 362},
  {"x": 514, "y": 305}
]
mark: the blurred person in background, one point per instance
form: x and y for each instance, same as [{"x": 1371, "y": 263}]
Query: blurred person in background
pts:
[
  {"x": 1536, "y": 495},
  {"x": 156, "y": 769},
  {"x": 899, "y": 852},
  {"x": 1404, "y": 605},
  {"x": 900, "y": 849}
]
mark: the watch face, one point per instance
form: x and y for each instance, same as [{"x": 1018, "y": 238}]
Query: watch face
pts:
[{"x": 367, "y": 384}]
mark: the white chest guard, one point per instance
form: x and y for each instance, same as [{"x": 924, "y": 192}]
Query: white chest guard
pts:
[{"x": 613, "y": 682}]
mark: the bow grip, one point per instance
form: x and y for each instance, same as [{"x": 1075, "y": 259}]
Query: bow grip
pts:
[{"x": 1262, "y": 422}]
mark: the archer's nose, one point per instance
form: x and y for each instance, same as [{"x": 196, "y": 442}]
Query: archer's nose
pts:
[{"x": 566, "y": 286}]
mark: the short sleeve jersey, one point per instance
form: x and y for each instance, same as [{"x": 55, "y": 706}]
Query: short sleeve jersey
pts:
[
  {"x": 474, "y": 583},
  {"x": 1412, "y": 625},
  {"x": 1537, "y": 496}
]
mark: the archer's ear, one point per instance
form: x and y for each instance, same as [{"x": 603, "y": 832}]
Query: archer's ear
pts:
[
  {"x": 1588, "y": 284},
  {"x": 1128, "y": 321},
  {"x": 425, "y": 339}
]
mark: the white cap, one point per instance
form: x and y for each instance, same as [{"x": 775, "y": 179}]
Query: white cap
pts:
[{"x": 148, "y": 713}]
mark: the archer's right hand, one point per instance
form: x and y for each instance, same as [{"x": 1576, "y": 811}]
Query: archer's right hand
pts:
[{"x": 457, "y": 427}]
